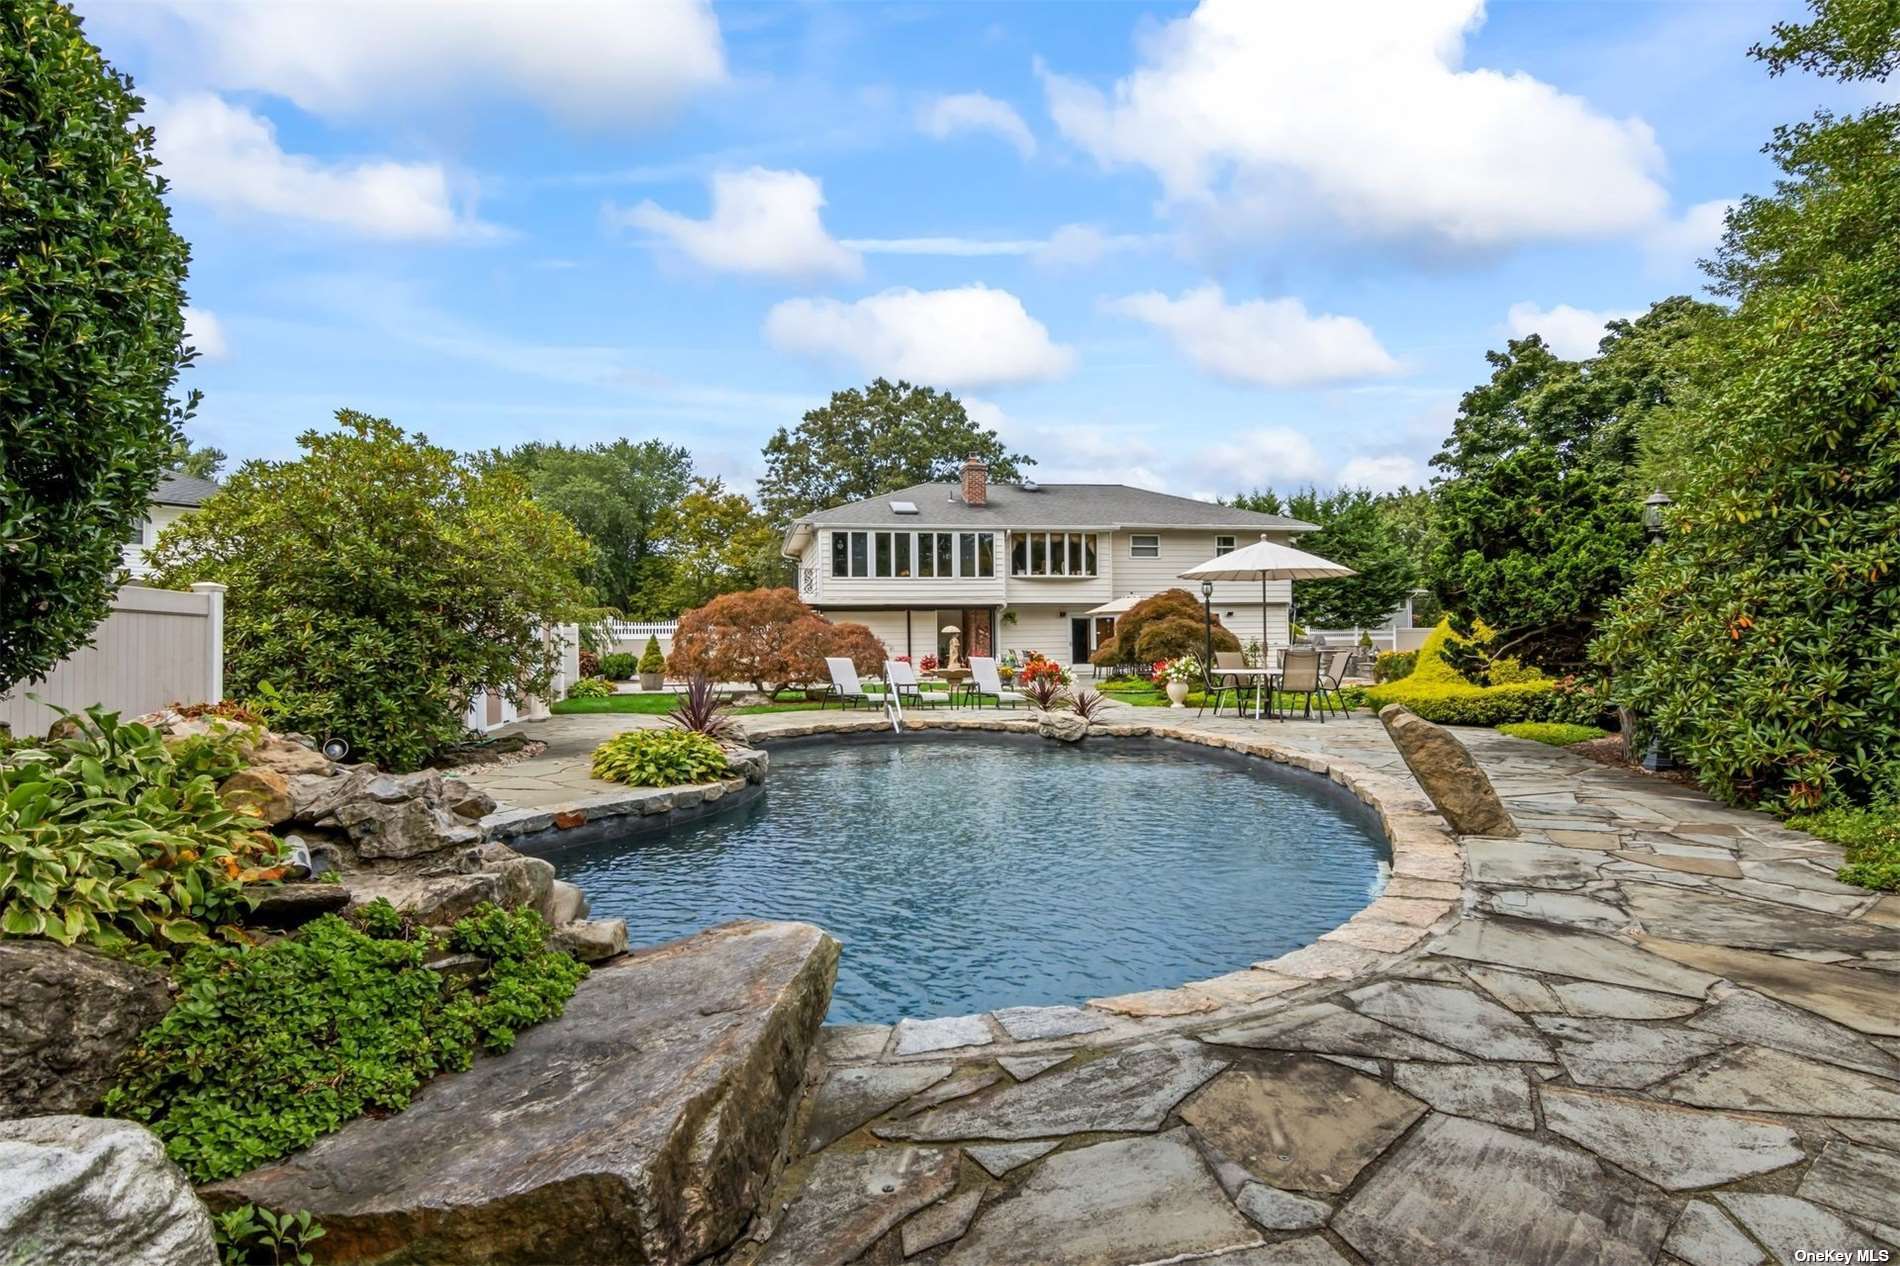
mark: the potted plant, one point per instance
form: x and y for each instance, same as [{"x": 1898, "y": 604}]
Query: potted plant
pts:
[
  {"x": 1179, "y": 675},
  {"x": 652, "y": 666}
]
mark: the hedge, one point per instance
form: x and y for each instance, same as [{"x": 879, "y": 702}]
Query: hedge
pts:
[{"x": 1436, "y": 692}]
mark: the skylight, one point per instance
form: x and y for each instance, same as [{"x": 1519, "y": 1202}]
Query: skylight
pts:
[{"x": 903, "y": 507}]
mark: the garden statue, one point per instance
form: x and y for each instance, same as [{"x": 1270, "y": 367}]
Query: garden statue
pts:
[{"x": 956, "y": 651}]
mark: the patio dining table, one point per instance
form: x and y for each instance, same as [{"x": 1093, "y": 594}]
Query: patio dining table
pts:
[{"x": 1263, "y": 679}]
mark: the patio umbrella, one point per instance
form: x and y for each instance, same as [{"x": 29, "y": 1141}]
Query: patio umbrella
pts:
[
  {"x": 1115, "y": 606},
  {"x": 1263, "y": 561}
]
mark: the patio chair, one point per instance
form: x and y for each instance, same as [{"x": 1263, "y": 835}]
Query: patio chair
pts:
[
  {"x": 1301, "y": 676},
  {"x": 1218, "y": 683},
  {"x": 846, "y": 691},
  {"x": 1333, "y": 676},
  {"x": 984, "y": 681},
  {"x": 902, "y": 681}
]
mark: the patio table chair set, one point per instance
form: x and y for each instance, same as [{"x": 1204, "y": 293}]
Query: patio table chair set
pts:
[{"x": 1307, "y": 671}]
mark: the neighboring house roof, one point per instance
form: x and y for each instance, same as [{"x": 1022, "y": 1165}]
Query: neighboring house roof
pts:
[
  {"x": 1111, "y": 506},
  {"x": 175, "y": 489}
]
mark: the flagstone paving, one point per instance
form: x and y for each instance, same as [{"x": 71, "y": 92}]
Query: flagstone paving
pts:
[{"x": 1651, "y": 1029}]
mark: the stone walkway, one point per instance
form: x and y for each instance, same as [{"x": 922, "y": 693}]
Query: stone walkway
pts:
[{"x": 1652, "y": 1029}]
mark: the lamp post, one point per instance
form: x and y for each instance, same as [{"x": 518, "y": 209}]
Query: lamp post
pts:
[
  {"x": 1207, "y": 620},
  {"x": 1656, "y": 758}
]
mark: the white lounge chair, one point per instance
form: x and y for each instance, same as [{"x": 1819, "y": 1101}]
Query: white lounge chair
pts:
[
  {"x": 902, "y": 680},
  {"x": 845, "y": 690},
  {"x": 983, "y": 673}
]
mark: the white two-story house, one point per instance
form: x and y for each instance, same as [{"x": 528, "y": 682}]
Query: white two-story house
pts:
[{"x": 1021, "y": 567}]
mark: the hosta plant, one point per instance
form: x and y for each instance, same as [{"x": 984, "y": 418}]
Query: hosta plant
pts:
[
  {"x": 660, "y": 758},
  {"x": 591, "y": 688},
  {"x": 114, "y": 838}
]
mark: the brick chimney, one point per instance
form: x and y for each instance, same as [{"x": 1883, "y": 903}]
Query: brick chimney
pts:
[{"x": 976, "y": 482}]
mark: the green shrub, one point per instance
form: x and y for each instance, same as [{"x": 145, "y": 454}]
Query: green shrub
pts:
[
  {"x": 91, "y": 332},
  {"x": 660, "y": 758},
  {"x": 1186, "y": 634},
  {"x": 1435, "y": 690},
  {"x": 1871, "y": 838},
  {"x": 113, "y": 838},
  {"x": 1394, "y": 665},
  {"x": 1555, "y": 733},
  {"x": 651, "y": 661},
  {"x": 250, "y": 1236},
  {"x": 591, "y": 688},
  {"x": 619, "y": 666},
  {"x": 269, "y": 1048}
]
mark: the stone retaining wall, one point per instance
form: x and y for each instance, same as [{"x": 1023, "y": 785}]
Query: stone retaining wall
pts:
[{"x": 628, "y": 811}]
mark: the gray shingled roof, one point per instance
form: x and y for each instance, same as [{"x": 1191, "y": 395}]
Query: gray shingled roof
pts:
[
  {"x": 1050, "y": 506},
  {"x": 175, "y": 489}
]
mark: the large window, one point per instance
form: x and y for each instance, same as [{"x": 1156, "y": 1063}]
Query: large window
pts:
[
  {"x": 928, "y": 555},
  {"x": 1053, "y": 554},
  {"x": 1144, "y": 547}
]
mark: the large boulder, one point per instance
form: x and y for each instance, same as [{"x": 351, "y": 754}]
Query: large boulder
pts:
[
  {"x": 80, "y": 1190},
  {"x": 1066, "y": 727},
  {"x": 264, "y": 793},
  {"x": 1442, "y": 766},
  {"x": 66, "y": 1018},
  {"x": 641, "y": 1127}
]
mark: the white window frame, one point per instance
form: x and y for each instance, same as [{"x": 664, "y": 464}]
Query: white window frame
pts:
[
  {"x": 1135, "y": 548},
  {"x": 1224, "y": 545}
]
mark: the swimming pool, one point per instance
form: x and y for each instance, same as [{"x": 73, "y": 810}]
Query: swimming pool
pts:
[{"x": 966, "y": 873}]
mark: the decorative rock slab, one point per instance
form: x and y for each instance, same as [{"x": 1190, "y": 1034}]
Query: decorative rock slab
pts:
[
  {"x": 1703, "y": 1236},
  {"x": 1279, "y": 1210},
  {"x": 850, "y": 1097},
  {"x": 1587, "y": 998},
  {"x": 1130, "y": 1200},
  {"x": 1759, "y": 1079},
  {"x": 1620, "y": 1053},
  {"x": 1676, "y": 1148},
  {"x": 1000, "y": 1158},
  {"x": 1308, "y": 1250},
  {"x": 1450, "y": 1016},
  {"x": 79, "y": 1190},
  {"x": 1023, "y": 1067},
  {"x": 1863, "y": 1181},
  {"x": 916, "y": 1037},
  {"x": 1789, "y": 1226},
  {"x": 1457, "y": 1192},
  {"x": 1132, "y": 1089},
  {"x": 591, "y": 940},
  {"x": 1501, "y": 1095},
  {"x": 640, "y": 1127},
  {"x": 1297, "y": 1122},
  {"x": 1442, "y": 766},
  {"x": 1748, "y": 1017},
  {"x": 853, "y": 1198},
  {"x": 942, "y": 1222},
  {"x": 1029, "y": 1024},
  {"x": 1861, "y": 1000},
  {"x": 1065, "y": 727},
  {"x": 66, "y": 1018},
  {"x": 1533, "y": 947},
  {"x": 293, "y": 905}
]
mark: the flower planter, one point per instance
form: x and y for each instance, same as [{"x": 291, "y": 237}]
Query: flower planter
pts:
[
  {"x": 1177, "y": 694},
  {"x": 652, "y": 681}
]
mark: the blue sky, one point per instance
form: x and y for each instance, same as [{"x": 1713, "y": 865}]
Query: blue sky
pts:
[{"x": 1200, "y": 248}]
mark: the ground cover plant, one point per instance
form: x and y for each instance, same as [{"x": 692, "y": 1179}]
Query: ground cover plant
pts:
[
  {"x": 1437, "y": 691},
  {"x": 269, "y": 1048},
  {"x": 591, "y": 688},
  {"x": 113, "y": 837},
  {"x": 660, "y": 758},
  {"x": 1554, "y": 733},
  {"x": 1870, "y": 838}
]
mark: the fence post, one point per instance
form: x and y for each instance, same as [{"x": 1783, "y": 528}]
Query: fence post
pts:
[{"x": 214, "y": 638}]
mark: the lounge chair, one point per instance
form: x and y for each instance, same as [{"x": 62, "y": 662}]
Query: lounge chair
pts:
[
  {"x": 901, "y": 678},
  {"x": 984, "y": 681},
  {"x": 846, "y": 691}
]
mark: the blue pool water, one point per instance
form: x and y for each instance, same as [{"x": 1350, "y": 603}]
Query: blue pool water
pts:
[{"x": 965, "y": 874}]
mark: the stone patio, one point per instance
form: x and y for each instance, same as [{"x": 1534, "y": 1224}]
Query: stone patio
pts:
[{"x": 1652, "y": 1029}]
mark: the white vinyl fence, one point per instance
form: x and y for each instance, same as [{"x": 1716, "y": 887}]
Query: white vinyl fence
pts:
[
  {"x": 158, "y": 647},
  {"x": 630, "y": 636}
]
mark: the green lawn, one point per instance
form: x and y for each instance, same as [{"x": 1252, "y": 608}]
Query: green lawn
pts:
[
  {"x": 661, "y": 703},
  {"x": 1554, "y": 733}
]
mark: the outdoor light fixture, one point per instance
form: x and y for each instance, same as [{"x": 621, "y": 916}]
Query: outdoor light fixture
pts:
[
  {"x": 1653, "y": 506},
  {"x": 1207, "y": 621},
  {"x": 336, "y": 749}
]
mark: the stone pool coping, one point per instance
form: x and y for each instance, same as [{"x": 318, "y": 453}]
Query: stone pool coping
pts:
[
  {"x": 1421, "y": 897},
  {"x": 627, "y": 810}
]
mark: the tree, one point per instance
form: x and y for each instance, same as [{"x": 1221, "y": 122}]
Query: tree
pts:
[
  {"x": 1539, "y": 509},
  {"x": 871, "y": 441},
  {"x": 199, "y": 462},
  {"x": 91, "y": 333},
  {"x": 766, "y": 637},
  {"x": 1174, "y": 608},
  {"x": 377, "y": 583},
  {"x": 1761, "y": 638},
  {"x": 616, "y": 494},
  {"x": 714, "y": 542},
  {"x": 1354, "y": 531}
]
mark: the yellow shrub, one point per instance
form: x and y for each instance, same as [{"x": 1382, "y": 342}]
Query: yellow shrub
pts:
[{"x": 1436, "y": 692}]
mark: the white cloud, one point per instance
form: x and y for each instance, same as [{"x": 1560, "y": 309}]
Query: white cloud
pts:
[
  {"x": 945, "y": 117},
  {"x": 1265, "y": 457},
  {"x": 227, "y": 157},
  {"x": 1382, "y": 473},
  {"x": 1082, "y": 245},
  {"x": 1268, "y": 342},
  {"x": 598, "y": 64},
  {"x": 763, "y": 222},
  {"x": 205, "y": 332},
  {"x": 971, "y": 336},
  {"x": 962, "y": 247},
  {"x": 1364, "y": 115},
  {"x": 1675, "y": 245},
  {"x": 1572, "y": 333}
]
